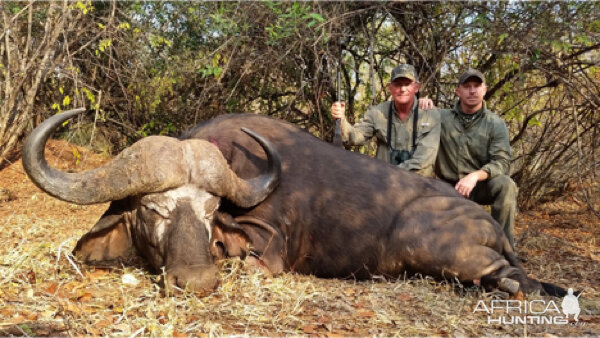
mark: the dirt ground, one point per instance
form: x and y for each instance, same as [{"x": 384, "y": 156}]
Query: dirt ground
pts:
[{"x": 45, "y": 292}]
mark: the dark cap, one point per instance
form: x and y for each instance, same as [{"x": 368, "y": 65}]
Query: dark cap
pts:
[
  {"x": 404, "y": 70},
  {"x": 469, "y": 74}
]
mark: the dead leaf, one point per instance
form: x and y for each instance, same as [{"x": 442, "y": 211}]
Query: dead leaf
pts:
[
  {"x": 310, "y": 328},
  {"x": 31, "y": 277},
  {"x": 93, "y": 331},
  {"x": 70, "y": 307},
  {"x": 589, "y": 319},
  {"x": 405, "y": 297},
  {"x": 192, "y": 318},
  {"x": 65, "y": 291},
  {"x": 179, "y": 334},
  {"x": 365, "y": 314},
  {"x": 324, "y": 320},
  {"x": 30, "y": 315},
  {"x": 86, "y": 297},
  {"x": 334, "y": 335},
  {"x": 97, "y": 273},
  {"x": 7, "y": 312},
  {"x": 50, "y": 288},
  {"x": 18, "y": 319},
  {"x": 518, "y": 296},
  {"x": 104, "y": 322},
  {"x": 129, "y": 279}
]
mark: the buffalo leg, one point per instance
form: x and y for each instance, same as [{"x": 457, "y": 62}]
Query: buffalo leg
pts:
[{"x": 494, "y": 272}]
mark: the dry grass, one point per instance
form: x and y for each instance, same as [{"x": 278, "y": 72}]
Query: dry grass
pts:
[{"x": 43, "y": 291}]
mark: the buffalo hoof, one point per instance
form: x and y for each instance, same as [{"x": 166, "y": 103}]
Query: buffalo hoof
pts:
[
  {"x": 200, "y": 280},
  {"x": 509, "y": 285}
]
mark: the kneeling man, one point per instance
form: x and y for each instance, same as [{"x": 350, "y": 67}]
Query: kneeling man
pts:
[{"x": 474, "y": 153}]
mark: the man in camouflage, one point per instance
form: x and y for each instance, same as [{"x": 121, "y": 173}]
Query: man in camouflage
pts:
[
  {"x": 474, "y": 154},
  {"x": 403, "y": 86}
]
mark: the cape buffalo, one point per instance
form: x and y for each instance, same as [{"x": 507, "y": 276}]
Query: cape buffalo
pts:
[
  {"x": 334, "y": 213},
  {"x": 164, "y": 193}
]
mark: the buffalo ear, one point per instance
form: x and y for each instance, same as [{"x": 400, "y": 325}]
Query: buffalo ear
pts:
[
  {"x": 248, "y": 235},
  {"x": 109, "y": 240},
  {"x": 228, "y": 239},
  {"x": 106, "y": 222}
]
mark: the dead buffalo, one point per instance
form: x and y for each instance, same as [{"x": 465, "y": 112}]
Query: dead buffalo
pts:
[
  {"x": 334, "y": 213},
  {"x": 164, "y": 193}
]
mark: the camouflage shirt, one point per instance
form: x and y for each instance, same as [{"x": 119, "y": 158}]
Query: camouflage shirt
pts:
[
  {"x": 472, "y": 142},
  {"x": 375, "y": 124}
]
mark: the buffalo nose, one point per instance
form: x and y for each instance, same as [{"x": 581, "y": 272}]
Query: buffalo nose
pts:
[{"x": 200, "y": 280}]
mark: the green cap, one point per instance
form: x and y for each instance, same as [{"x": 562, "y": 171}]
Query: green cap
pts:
[
  {"x": 471, "y": 73},
  {"x": 404, "y": 70}
]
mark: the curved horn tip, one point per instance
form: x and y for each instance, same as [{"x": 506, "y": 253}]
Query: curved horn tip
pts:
[
  {"x": 266, "y": 183},
  {"x": 73, "y": 112},
  {"x": 248, "y": 131},
  {"x": 259, "y": 138},
  {"x": 42, "y": 132},
  {"x": 79, "y": 110},
  {"x": 50, "y": 180}
]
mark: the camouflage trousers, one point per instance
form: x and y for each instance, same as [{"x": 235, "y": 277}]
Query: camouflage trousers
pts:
[{"x": 500, "y": 193}]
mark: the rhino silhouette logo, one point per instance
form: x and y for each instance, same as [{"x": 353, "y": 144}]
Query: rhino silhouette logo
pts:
[{"x": 570, "y": 304}]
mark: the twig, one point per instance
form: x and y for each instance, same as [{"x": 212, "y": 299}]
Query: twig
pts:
[
  {"x": 136, "y": 333},
  {"x": 579, "y": 179},
  {"x": 95, "y": 118},
  {"x": 59, "y": 250},
  {"x": 562, "y": 241}
]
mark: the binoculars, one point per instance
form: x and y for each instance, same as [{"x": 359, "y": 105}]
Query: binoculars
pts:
[{"x": 399, "y": 156}]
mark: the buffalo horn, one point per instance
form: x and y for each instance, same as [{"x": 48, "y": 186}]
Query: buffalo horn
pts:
[{"x": 153, "y": 164}]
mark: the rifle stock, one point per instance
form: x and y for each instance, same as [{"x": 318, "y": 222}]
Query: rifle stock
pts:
[{"x": 337, "y": 136}]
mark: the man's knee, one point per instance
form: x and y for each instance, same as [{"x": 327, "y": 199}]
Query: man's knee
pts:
[{"x": 504, "y": 185}]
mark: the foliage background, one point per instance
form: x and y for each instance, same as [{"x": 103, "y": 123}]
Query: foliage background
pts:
[{"x": 160, "y": 67}]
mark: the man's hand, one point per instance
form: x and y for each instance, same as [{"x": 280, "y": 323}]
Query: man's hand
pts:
[
  {"x": 426, "y": 103},
  {"x": 338, "y": 110},
  {"x": 466, "y": 184}
]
